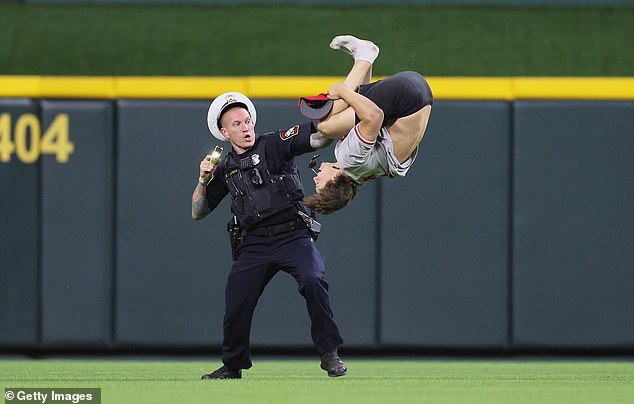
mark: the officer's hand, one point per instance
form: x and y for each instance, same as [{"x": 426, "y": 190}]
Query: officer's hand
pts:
[{"x": 207, "y": 168}]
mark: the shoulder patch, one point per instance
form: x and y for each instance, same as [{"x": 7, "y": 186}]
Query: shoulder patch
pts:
[{"x": 290, "y": 133}]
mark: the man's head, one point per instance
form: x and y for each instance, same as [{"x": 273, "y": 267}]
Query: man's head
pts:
[
  {"x": 221, "y": 106},
  {"x": 238, "y": 128},
  {"x": 334, "y": 189}
]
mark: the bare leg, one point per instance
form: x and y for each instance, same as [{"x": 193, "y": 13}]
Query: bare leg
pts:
[
  {"x": 338, "y": 124},
  {"x": 407, "y": 132},
  {"x": 341, "y": 117},
  {"x": 361, "y": 73}
]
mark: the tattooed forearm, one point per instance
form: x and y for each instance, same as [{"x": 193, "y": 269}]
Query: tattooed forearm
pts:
[
  {"x": 199, "y": 202},
  {"x": 319, "y": 140}
]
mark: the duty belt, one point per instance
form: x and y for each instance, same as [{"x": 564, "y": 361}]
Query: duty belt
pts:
[{"x": 277, "y": 229}]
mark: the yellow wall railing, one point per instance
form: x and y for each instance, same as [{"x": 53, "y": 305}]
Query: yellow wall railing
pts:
[{"x": 444, "y": 88}]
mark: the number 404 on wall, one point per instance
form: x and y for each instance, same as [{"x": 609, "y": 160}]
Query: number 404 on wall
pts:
[{"x": 27, "y": 141}]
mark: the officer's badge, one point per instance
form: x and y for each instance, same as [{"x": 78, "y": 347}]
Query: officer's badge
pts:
[
  {"x": 255, "y": 159},
  {"x": 290, "y": 133}
]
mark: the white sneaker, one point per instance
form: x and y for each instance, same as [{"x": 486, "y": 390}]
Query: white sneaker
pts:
[{"x": 360, "y": 49}]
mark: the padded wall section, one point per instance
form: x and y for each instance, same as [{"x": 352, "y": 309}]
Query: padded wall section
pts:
[
  {"x": 444, "y": 234},
  {"x": 19, "y": 237},
  {"x": 77, "y": 198},
  {"x": 170, "y": 269},
  {"x": 573, "y": 225}
]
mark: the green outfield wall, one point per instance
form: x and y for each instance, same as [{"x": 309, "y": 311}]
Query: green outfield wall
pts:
[{"x": 512, "y": 233}]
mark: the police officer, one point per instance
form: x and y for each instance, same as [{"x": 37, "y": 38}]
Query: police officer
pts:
[{"x": 275, "y": 229}]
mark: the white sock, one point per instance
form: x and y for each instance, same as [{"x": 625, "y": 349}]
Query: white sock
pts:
[{"x": 360, "y": 49}]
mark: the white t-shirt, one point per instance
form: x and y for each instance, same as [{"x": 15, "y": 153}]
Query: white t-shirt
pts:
[{"x": 363, "y": 160}]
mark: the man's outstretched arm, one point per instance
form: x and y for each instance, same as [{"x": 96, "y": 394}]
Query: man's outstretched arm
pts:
[{"x": 370, "y": 115}]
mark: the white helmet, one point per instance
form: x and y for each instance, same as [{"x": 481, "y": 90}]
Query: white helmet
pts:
[{"x": 223, "y": 102}]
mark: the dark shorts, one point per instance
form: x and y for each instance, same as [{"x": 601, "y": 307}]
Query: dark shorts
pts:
[{"x": 399, "y": 95}]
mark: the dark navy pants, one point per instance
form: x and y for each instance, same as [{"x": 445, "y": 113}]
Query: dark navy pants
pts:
[{"x": 260, "y": 259}]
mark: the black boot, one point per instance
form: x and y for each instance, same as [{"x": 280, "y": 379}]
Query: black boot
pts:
[
  {"x": 223, "y": 373},
  {"x": 331, "y": 363}
]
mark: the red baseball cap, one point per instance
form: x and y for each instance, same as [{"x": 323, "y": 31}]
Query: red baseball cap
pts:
[{"x": 315, "y": 107}]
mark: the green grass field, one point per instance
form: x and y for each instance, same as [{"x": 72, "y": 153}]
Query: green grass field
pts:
[
  {"x": 368, "y": 381},
  {"x": 283, "y": 40}
]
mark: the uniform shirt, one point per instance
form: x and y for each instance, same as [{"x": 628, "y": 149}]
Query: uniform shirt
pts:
[
  {"x": 363, "y": 160},
  {"x": 280, "y": 150}
]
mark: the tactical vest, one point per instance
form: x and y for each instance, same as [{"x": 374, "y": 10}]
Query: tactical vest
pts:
[{"x": 256, "y": 193}]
